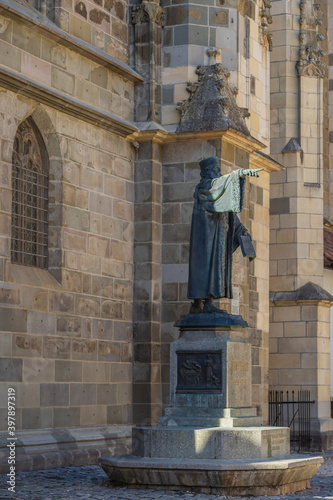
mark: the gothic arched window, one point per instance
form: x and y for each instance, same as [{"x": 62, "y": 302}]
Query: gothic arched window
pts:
[{"x": 30, "y": 168}]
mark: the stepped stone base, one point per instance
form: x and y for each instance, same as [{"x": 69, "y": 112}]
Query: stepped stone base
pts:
[
  {"x": 74, "y": 446},
  {"x": 210, "y": 417},
  {"x": 210, "y": 443},
  {"x": 210, "y": 439},
  {"x": 239, "y": 477}
]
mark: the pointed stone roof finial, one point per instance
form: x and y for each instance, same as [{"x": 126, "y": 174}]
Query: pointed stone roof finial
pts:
[
  {"x": 212, "y": 103},
  {"x": 292, "y": 146}
]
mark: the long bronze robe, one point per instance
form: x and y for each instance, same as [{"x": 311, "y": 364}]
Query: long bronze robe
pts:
[{"x": 215, "y": 235}]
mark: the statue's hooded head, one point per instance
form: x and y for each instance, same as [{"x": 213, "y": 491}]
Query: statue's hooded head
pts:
[{"x": 210, "y": 167}]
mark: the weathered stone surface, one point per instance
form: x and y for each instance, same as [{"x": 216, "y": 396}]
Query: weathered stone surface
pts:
[
  {"x": 84, "y": 349},
  {"x": 62, "y": 302},
  {"x": 9, "y": 296},
  {"x": 10, "y": 370},
  {"x": 88, "y": 307},
  {"x": 112, "y": 309},
  {"x": 27, "y": 345},
  {"x": 250, "y": 477},
  {"x": 13, "y": 320},
  {"x": 56, "y": 347},
  {"x": 69, "y": 325},
  {"x": 211, "y": 444},
  {"x": 54, "y": 394},
  {"x": 108, "y": 351}
]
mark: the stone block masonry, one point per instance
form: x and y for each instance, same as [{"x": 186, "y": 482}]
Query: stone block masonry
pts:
[
  {"x": 66, "y": 332},
  {"x": 300, "y": 322}
]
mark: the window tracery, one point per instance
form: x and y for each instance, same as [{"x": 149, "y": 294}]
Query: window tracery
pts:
[{"x": 29, "y": 197}]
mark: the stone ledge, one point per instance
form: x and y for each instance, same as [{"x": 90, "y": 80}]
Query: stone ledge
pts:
[
  {"x": 210, "y": 320},
  {"x": 49, "y": 448},
  {"x": 204, "y": 443},
  {"x": 310, "y": 292},
  {"x": 17, "y": 83},
  {"x": 252, "y": 477}
]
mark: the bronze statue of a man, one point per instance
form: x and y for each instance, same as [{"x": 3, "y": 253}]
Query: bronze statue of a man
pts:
[{"x": 215, "y": 233}]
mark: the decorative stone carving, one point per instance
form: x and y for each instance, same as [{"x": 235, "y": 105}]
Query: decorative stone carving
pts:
[
  {"x": 265, "y": 19},
  {"x": 148, "y": 11},
  {"x": 211, "y": 104},
  {"x": 30, "y": 197},
  {"x": 310, "y": 53},
  {"x": 198, "y": 372}
]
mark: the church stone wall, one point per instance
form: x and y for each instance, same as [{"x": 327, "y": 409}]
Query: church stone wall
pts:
[
  {"x": 66, "y": 333},
  {"x": 328, "y": 177},
  {"x": 300, "y": 318},
  {"x": 66, "y": 345}
]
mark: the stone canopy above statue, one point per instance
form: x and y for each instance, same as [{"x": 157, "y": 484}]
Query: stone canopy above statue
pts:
[{"x": 212, "y": 104}]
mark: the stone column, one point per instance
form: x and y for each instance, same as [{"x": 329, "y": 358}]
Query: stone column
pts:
[
  {"x": 299, "y": 330},
  {"x": 148, "y": 21},
  {"x": 146, "y": 54},
  {"x": 147, "y": 284},
  {"x": 297, "y": 142},
  {"x": 300, "y": 353}
]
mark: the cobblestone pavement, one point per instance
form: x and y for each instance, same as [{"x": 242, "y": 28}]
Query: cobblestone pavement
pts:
[{"x": 91, "y": 483}]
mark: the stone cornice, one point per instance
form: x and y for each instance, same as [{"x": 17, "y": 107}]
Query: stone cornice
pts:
[
  {"x": 260, "y": 160},
  {"x": 19, "y": 84},
  {"x": 247, "y": 143},
  {"x": 159, "y": 134},
  {"x": 310, "y": 293},
  {"x": 42, "y": 25}
]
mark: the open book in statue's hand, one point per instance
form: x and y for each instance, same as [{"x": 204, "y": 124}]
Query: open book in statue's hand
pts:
[{"x": 247, "y": 247}]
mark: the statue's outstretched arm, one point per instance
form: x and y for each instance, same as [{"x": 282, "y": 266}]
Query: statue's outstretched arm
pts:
[{"x": 251, "y": 172}]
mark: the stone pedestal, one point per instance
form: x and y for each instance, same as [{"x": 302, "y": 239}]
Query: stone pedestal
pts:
[
  {"x": 211, "y": 439},
  {"x": 210, "y": 374}
]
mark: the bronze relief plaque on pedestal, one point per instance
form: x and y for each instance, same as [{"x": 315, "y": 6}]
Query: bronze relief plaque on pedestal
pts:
[{"x": 199, "y": 372}]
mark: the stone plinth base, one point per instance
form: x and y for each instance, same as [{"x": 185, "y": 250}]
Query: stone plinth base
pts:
[
  {"x": 211, "y": 417},
  {"x": 239, "y": 477},
  {"x": 322, "y": 434},
  {"x": 210, "y": 439},
  {"x": 210, "y": 443},
  {"x": 210, "y": 375}
]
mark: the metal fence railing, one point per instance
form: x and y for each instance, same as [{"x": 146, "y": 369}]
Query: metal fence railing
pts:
[{"x": 292, "y": 410}]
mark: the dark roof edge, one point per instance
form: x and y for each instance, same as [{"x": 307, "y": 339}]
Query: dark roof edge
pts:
[{"x": 310, "y": 291}]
